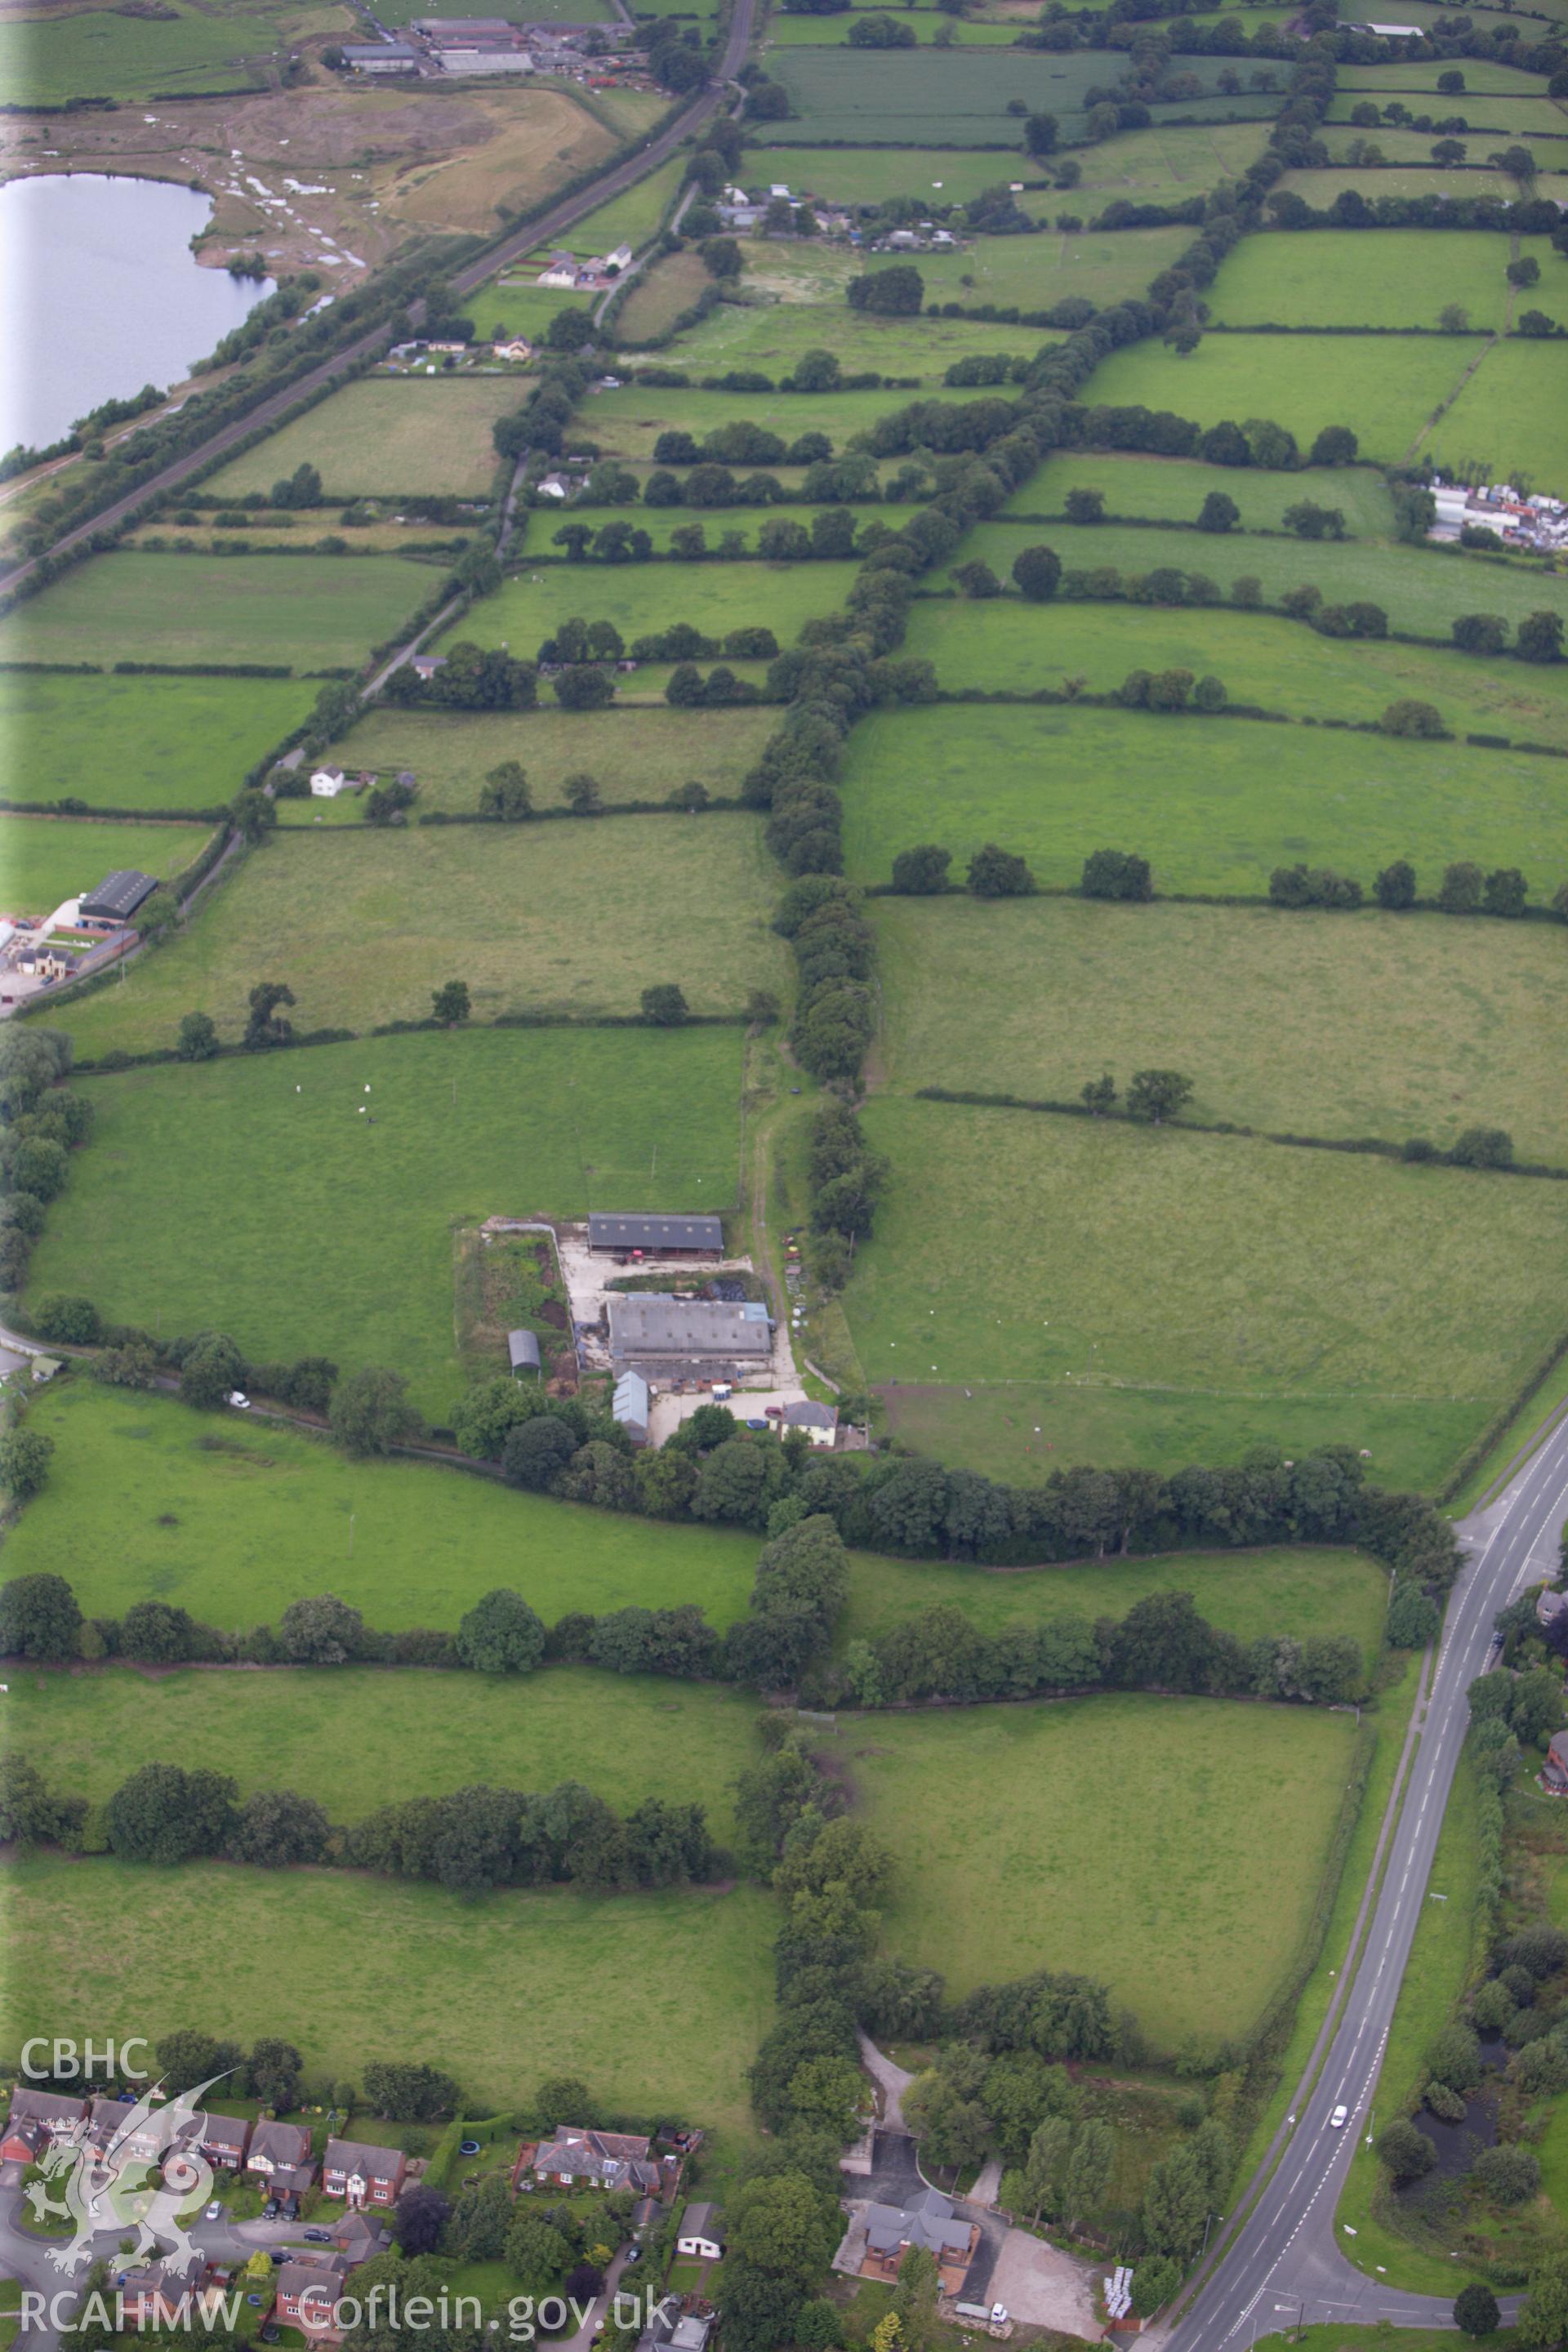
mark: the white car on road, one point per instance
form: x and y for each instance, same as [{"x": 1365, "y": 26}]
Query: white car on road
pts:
[{"x": 1339, "y": 2119}]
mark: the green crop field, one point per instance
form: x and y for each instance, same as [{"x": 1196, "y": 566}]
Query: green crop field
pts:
[
  {"x": 1511, "y": 417},
  {"x": 920, "y": 96},
  {"x": 662, "y": 1999},
  {"x": 1250, "y": 1593},
  {"x": 386, "y": 437},
  {"x": 575, "y": 916},
  {"x": 44, "y": 860},
  {"x": 1423, "y": 590},
  {"x": 627, "y": 423},
  {"x": 634, "y": 754},
  {"x": 1384, "y": 389},
  {"x": 1173, "y": 489},
  {"x": 1380, "y": 277},
  {"x": 1023, "y": 1830},
  {"x": 310, "y": 611},
  {"x": 640, "y": 598},
  {"x": 1214, "y": 807},
  {"x": 1307, "y": 1023},
  {"x": 105, "y": 53},
  {"x": 358, "y": 1736},
  {"x": 1402, "y": 1307},
  {"x": 142, "y": 742},
  {"x": 232, "y": 1519},
  {"x": 337, "y": 1233}
]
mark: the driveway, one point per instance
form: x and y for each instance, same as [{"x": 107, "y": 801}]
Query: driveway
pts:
[
  {"x": 890, "y": 2079},
  {"x": 1039, "y": 2285}
]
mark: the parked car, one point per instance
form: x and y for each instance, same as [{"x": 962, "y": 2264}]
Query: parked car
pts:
[
  {"x": 319, "y": 2236},
  {"x": 279, "y": 2256},
  {"x": 214, "y": 2209},
  {"x": 269, "y": 2211},
  {"x": 237, "y": 1397},
  {"x": 633, "y": 2254}
]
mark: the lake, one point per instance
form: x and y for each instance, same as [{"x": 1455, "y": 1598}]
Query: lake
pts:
[{"x": 101, "y": 295}]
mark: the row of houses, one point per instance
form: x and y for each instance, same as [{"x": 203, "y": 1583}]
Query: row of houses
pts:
[{"x": 278, "y": 2155}]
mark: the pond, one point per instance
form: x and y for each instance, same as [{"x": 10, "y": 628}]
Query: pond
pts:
[{"x": 102, "y": 295}]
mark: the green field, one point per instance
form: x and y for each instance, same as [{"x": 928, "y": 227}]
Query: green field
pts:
[
  {"x": 661, "y": 1998},
  {"x": 1487, "y": 119},
  {"x": 1509, "y": 417},
  {"x": 104, "y": 52},
  {"x": 1385, "y": 389},
  {"x": 1310, "y": 1023},
  {"x": 517, "y": 306},
  {"x": 1214, "y": 807},
  {"x": 336, "y": 1233},
  {"x": 627, "y": 423},
  {"x": 1280, "y": 665},
  {"x": 44, "y": 860},
  {"x": 869, "y": 176},
  {"x": 640, "y": 598},
  {"x": 1422, "y": 589},
  {"x": 1321, "y": 188},
  {"x": 661, "y": 523},
  {"x": 1162, "y": 164},
  {"x": 1173, "y": 490},
  {"x": 833, "y": 32},
  {"x": 634, "y": 754},
  {"x": 1250, "y": 1593},
  {"x": 925, "y": 97},
  {"x": 1421, "y": 74},
  {"x": 517, "y": 12},
  {"x": 312, "y": 611},
  {"x": 232, "y": 1519},
  {"x": 564, "y": 917},
  {"x": 142, "y": 742},
  {"x": 1401, "y": 1307},
  {"x": 1026, "y": 1832},
  {"x": 356, "y": 1738},
  {"x": 1380, "y": 277},
  {"x": 632, "y": 217},
  {"x": 385, "y": 438},
  {"x": 1033, "y": 272}
]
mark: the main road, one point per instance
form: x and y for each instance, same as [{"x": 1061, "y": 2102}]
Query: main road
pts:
[
  {"x": 1285, "y": 2264},
  {"x": 543, "y": 231}
]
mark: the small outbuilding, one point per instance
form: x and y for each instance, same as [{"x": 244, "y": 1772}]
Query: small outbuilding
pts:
[
  {"x": 522, "y": 1347},
  {"x": 631, "y": 1405},
  {"x": 702, "y": 2232},
  {"x": 118, "y": 896}
]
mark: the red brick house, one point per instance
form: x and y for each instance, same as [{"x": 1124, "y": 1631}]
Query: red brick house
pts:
[
  {"x": 279, "y": 2158},
  {"x": 1553, "y": 1775},
  {"x": 307, "y": 2294},
  {"x": 37, "y": 2118},
  {"x": 168, "y": 2293},
  {"x": 579, "y": 2158},
  {"x": 225, "y": 2140},
  {"x": 363, "y": 2175}
]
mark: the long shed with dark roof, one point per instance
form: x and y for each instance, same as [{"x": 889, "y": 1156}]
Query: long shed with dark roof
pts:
[{"x": 670, "y": 1236}]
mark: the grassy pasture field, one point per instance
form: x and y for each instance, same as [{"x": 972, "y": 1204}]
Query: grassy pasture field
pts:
[
  {"x": 1423, "y": 590},
  {"x": 1320, "y": 1024},
  {"x": 645, "y": 756},
  {"x": 833, "y": 32},
  {"x": 45, "y": 859},
  {"x": 1035, "y": 271},
  {"x": 662, "y": 293},
  {"x": 101, "y": 53},
  {"x": 359, "y": 1736},
  {"x": 579, "y": 915},
  {"x": 1166, "y": 162},
  {"x": 1173, "y": 489},
  {"x": 232, "y": 1519},
  {"x": 1384, "y": 389},
  {"x": 869, "y": 176},
  {"x": 916, "y": 97},
  {"x": 1321, "y": 186},
  {"x": 661, "y": 1998},
  {"x": 517, "y": 306},
  {"x": 1404, "y": 1304},
  {"x": 1277, "y": 663},
  {"x": 1377, "y": 277},
  {"x": 1016, "y": 1827},
  {"x": 312, "y": 611},
  {"x": 427, "y": 437},
  {"x": 1488, "y": 119},
  {"x": 316, "y": 1205},
  {"x": 142, "y": 742},
  {"x": 641, "y": 598},
  {"x": 632, "y": 217},
  {"x": 1212, "y": 808},
  {"x": 1250, "y": 1593},
  {"x": 661, "y": 523},
  {"x": 1510, "y": 416},
  {"x": 517, "y": 12},
  {"x": 1407, "y": 74},
  {"x": 627, "y": 423}
]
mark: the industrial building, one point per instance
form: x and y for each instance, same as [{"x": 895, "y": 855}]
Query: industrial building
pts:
[
  {"x": 649, "y": 1327},
  {"x": 657, "y": 1236}
]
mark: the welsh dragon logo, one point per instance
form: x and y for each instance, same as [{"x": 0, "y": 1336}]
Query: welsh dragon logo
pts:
[{"x": 141, "y": 2183}]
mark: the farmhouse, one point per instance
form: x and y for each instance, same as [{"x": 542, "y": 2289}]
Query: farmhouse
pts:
[
  {"x": 1553, "y": 1775},
  {"x": 326, "y": 784},
  {"x": 522, "y": 1347},
  {"x": 667, "y": 1236},
  {"x": 820, "y": 1421},
  {"x": 932, "y": 2223},
  {"x": 577, "y": 2158},
  {"x": 117, "y": 897},
  {"x": 362, "y": 2173},
  {"x": 516, "y": 347},
  {"x": 37, "y": 2118},
  {"x": 701, "y": 2233},
  {"x": 560, "y": 271},
  {"x": 279, "y": 2156},
  {"x": 631, "y": 1405},
  {"x": 655, "y": 1327}
]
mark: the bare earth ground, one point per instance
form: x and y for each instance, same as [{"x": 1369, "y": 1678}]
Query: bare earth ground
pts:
[{"x": 367, "y": 166}]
